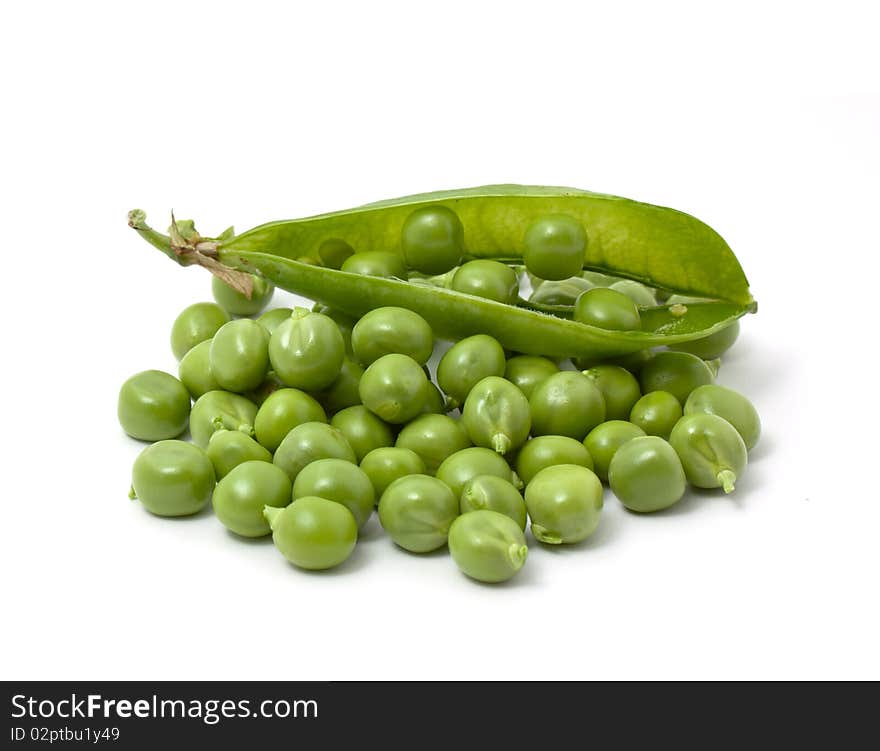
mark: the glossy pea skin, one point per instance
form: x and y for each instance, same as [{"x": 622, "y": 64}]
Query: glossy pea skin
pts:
[
  {"x": 363, "y": 430},
  {"x": 567, "y": 403},
  {"x": 395, "y": 388},
  {"x": 172, "y": 478},
  {"x": 603, "y": 441},
  {"x": 309, "y": 442},
  {"x": 195, "y": 324},
  {"x": 729, "y": 404},
  {"x": 307, "y": 350},
  {"x": 235, "y": 303},
  {"x": 554, "y": 247},
  {"x": 656, "y": 413},
  {"x": 564, "y": 504},
  {"x": 562, "y": 292},
  {"x": 281, "y": 412},
  {"x": 432, "y": 240},
  {"x": 240, "y": 497},
  {"x": 620, "y": 389},
  {"x": 272, "y": 319},
  {"x": 313, "y": 533},
  {"x": 390, "y": 330},
  {"x": 340, "y": 481},
  {"x": 711, "y": 450},
  {"x": 527, "y": 371},
  {"x": 488, "y": 279},
  {"x": 466, "y": 363},
  {"x": 417, "y": 512},
  {"x": 194, "y": 370},
  {"x": 345, "y": 323},
  {"x": 239, "y": 355},
  {"x": 495, "y": 494},
  {"x": 548, "y": 451},
  {"x": 679, "y": 373},
  {"x": 496, "y": 415},
  {"x": 712, "y": 346},
  {"x": 385, "y": 465},
  {"x": 376, "y": 263},
  {"x": 607, "y": 308},
  {"x": 641, "y": 295},
  {"x": 343, "y": 392},
  {"x": 487, "y": 546},
  {"x": 229, "y": 448},
  {"x": 435, "y": 402},
  {"x": 434, "y": 438},
  {"x": 463, "y": 466},
  {"x": 646, "y": 474},
  {"x": 220, "y": 409},
  {"x": 153, "y": 406}
]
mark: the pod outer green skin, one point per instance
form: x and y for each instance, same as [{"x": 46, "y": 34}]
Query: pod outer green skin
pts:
[{"x": 658, "y": 246}]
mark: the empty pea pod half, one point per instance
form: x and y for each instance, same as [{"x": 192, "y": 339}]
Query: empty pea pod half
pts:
[{"x": 659, "y": 247}]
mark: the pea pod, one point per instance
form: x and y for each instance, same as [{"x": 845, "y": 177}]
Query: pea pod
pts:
[{"x": 659, "y": 247}]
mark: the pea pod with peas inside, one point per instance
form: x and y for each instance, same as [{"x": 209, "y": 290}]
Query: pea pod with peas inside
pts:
[{"x": 660, "y": 247}]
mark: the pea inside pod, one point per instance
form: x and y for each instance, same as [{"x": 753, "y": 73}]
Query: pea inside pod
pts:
[{"x": 488, "y": 279}]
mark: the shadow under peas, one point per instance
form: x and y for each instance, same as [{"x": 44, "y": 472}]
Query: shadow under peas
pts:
[
  {"x": 265, "y": 540},
  {"x": 355, "y": 562}
]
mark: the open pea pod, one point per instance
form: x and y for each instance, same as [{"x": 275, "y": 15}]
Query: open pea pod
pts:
[{"x": 657, "y": 246}]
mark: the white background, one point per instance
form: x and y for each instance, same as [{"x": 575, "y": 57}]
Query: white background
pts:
[{"x": 758, "y": 119}]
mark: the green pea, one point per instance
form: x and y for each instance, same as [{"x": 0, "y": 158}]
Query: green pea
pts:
[
  {"x": 307, "y": 350},
  {"x": 603, "y": 441},
  {"x": 395, "y": 388},
  {"x": 281, "y": 412},
  {"x": 432, "y": 239},
  {"x": 313, "y": 533},
  {"x": 711, "y": 450},
  {"x": 561, "y": 292},
  {"x": 376, "y": 263},
  {"x": 554, "y": 247},
  {"x": 229, "y": 448},
  {"x": 334, "y": 252},
  {"x": 598, "y": 279},
  {"x": 564, "y": 503},
  {"x": 468, "y": 362},
  {"x": 340, "y": 481},
  {"x": 496, "y": 494},
  {"x": 496, "y": 415},
  {"x": 363, "y": 430},
  {"x": 463, "y": 466},
  {"x": 220, "y": 409},
  {"x": 487, "y": 546},
  {"x": 656, "y": 413},
  {"x": 491, "y": 280},
  {"x": 435, "y": 402},
  {"x": 567, "y": 403},
  {"x": 527, "y": 371},
  {"x": 196, "y": 324},
  {"x": 194, "y": 370},
  {"x": 343, "y": 392},
  {"x": 239, "y": 355},
  {"x": 385, "y": 465},
  {"x": 608, "y": 309},
  {"x": 385, "y": 331},
  {"x": 729, "y": 404},
  {"x": 235, "y": 303},
  {"x": 272, "y": 319},
  {"x": 679, "y": 373},
  {"x": 345, "y": 323},
  {"x": 619, "y": 388},
  {"x": 646, "y": 474},
  {"x": 309, "y": 442},
  {"x": 242, "y": 494},
  {"x": 153, "y": 406},
  {"x": 549, "y": 451},
  {"x": 417, "y": 511},
  {"x": 641, "y": 295},
  {"x": 633, "y": 362},
  {"x": 434, "y": 438},
  {"x": 268, "y": 387},
  {"x": 712, "y": 346},
  {"x": 172, "y": 478}
]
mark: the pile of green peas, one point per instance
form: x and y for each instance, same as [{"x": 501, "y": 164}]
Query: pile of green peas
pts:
[{"x": 302, "y": 422}]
